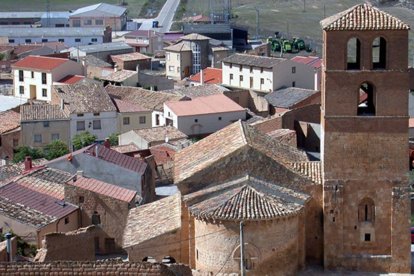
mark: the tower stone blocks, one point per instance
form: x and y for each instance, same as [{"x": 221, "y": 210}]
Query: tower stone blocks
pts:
[{"x": 364, "y": 117}]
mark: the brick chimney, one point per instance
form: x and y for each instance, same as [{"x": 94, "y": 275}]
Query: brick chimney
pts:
[
  {"x": 201, "y": 77},
  {"x": 28, "y": 165},
  {"x": 107, "y": 144}
]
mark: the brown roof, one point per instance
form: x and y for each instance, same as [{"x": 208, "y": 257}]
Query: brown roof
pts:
[
  {"x": 224, "y": 142},
  {"x": 198, "y": 91},
  {"x": 363, "y": 17},
  {"x": 124, "y": 106},
  {"x": 10, "y": 171},
  {"x": 147, "y": 99},
  {"x": 130, "y": 57},
  {"x": 131, "y": 147},
  {"x": 195, "y": 36},
  {"x": 42, "y": 112},
  {"x": 160, "y": 133},
  {"x": 152, "y": 220},
  {"x": 40, "y": 63},
  {"x": 179, "y": 47},
  {"x": 247, "y": 199},
  {"x": 10, "y": 120},
  {"x": 204, "y": 105},
  {"x": 103, "y": 188},
  {"x": 310, "y": 169},
  {"x": 120, "y": 76},
  {"x": 85, "y": 96},
  {"x": 163, "y": 153},
  {"x": 210, "y": 76},
  {"x": 71, "y": 79},
  {"x": 250, "y": 60}
]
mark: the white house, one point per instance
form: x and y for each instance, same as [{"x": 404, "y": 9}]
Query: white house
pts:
[
  {"x": 203, "y": 115},
  {"x": 265, "y": 74},
  {"x": 33, "y": 76}
]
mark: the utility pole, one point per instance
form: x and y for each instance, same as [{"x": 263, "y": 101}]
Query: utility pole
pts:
[
  {"x": 324, "y": 10},
  {"x": 242, "y": 266},
  {"x": 257, "y": 22},
  {"x": 304, "y": 5}
]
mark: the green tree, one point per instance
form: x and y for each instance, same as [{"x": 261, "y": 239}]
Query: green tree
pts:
[
  {"x": 23, "y": 151},
  {"x": 83, "y": 139},
  {"x": 55, "y": 149},
  {"x": 113, "y": 139}
]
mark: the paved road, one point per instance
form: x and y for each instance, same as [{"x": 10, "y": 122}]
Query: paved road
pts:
[{"x": 165, "y": 17}]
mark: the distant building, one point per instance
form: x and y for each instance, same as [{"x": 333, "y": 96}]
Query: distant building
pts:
[
  {"x": 20, "y": 18},
  {"x": 147, "y": 41},
  {"x": 55, "y": 19},
  {"x": 206, "y": 76},
  {"x": 132, "y": 61},
  {"x": 314, "y": 64},
  {"x": 99, "y": 15},
  {"x": 132, "y": 116},
  {"x": 102, "y": 51},
  {"x": 9, "y": 134},
  {"x": 292, "y": 98},
  {"x": 121, "y": 78}
]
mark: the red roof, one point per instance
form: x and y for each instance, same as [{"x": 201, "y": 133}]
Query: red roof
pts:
[
  {"x": 211, "y": 76},
  {"x": 103, "y": 188},
  {"x": 124, "y": 106},
  {"x": 40, "y": 63},
  {"x": 204, "y": 105},
  {"x": 313, "y": 61},
  {"x": 162, "y": 154},
  {"x": 71, "y": 79}
]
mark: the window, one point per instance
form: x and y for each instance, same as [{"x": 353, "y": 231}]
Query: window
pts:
[
  {"x": 44, "y": 92},
  {"x": 353, "y": 54},
  {"x": 366, "y": 100},
  {"x": 171, "y": 68},
  {"x": 46, "y": 124},
  {"x": 80, "y": 125},
  {"x": 21, "y": 89},
  {"x": 195, "y": 120},
  {"x": 219, "y": 118},
  {"x": 66, "y": 220},
  {"x": 96, "y": 113},
  {"x": 261, "y": 80},
  {"x": 157, "y": 119},
  {"x": 37, "y": 138},
  {"x": 94, "y": 40},
  {"x": 293, "y": 83},
  {"x": 142, "y": 119},
  {"x": 20, "y": 75},
  {"x": 241, "y": 78},
  {"x": 55, "y": 136},
  {"x": 261, "y": 70},
  {"x": 81, "y": 199},
  {"x": 96, "y": 218},
  {"x": 32, "y": 73},
  {"x": 96, "y": 124},
  {"x": 61, "y": 40},
  {"x": 79, "y": 114},
  {"x": 44, "y": 81},
  {"x": 251, "y": 69},
  {"x": 379, "y": 47},
  {"x": 76, "y": 23},
  {"x": 44, "y": 40},
  {"x": 366, "y": 210},
  {"x": 251, "y": 82},
  {"x": 28, "y": 40},
  {"x": 367, "y": 237},
  {"x": 99, "y": 22},
  {"x": 126, "y": 120},
  {"x": 11, "y": 40},
  {"x": 77, "y": 40},
  {"x": 293, "y": 70},
  {"x": 231, "y": 76},
  {"x": 178, "y": 56},
  {"x": 240, "y": 68},
  {"x": 87, "y": 22}
]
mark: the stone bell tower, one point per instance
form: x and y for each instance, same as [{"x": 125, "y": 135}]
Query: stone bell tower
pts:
[{"x": 364, "y": 121}]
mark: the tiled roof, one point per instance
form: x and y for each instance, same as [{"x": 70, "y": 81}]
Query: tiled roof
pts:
[
  {"x": 210, "y": 76},
  {"x": 289, "y": 97},
  {"x": 280, "y": 132},
  {"x": 363, "y": 17},
  {"x": 120, "y": 76},
  {"x": 204, "y": 105},
  {"x": 152, "y": 220},
  {"x": 226, "y": 141},
  {"x": 310, "y": 169},
  {"x": 125, "y": 106},
  {"x": 163, "y": 153},
  {"x": 198, "y": 91},
  {"x": 40, "y": 63},
  {"x": 126, "y": 148},
  {"x": 30, "y": 199},
  {"x": 250, "y": 60},
  {"x": 160, "y": 133},
  {"x": 103, "y": 47},
  {"x": 85, "y": 96},
  {"x": 94, "y": 61},
  {"x": 141, "y": 33},
  {"x": 179, "y": 47},
  {"x": 42, "y": 112},
  {"x": 117, "y": 158},
  {"x": 9, "y": 120},
  {"x": 71, "y": 79},
  {"x": 195, "y": 36},
  {"x": 247, "y": 199},
  {"x": 10, "y": 171},
  {"x": 148, "y": 99},
  {"x": 130, "y": 57},
  {"x": 103, "y": 188},
  {"x": 315, "y": 62}
]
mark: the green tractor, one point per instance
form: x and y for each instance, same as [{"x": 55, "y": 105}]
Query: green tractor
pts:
[
  {"x": 287, "y": 46},
  {"x": 299, "y": 43},
  {"x": 275, "y": 44}
]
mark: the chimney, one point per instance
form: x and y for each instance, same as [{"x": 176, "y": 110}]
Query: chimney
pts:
[
  {"x": 201, "y": 77},
  {"x": 96, "y": 151},
  {"x": 107, "y": 144},
  {"x": 62, "y": 104},
  {"x": 166, "y": 139},
  {"x": 8, "y": 237},
  {"x": 28, "y": 163}
]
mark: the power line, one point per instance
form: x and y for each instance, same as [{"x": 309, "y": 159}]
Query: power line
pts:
[{"x": 228, "y": 258}]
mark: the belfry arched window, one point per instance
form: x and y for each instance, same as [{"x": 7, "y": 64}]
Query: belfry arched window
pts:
[
  {"x": 379, "y": 53},
  {"x": 353, "y": 57},
  {"x": 366, "y": 210},
  {"x": 366, "y": 100}
]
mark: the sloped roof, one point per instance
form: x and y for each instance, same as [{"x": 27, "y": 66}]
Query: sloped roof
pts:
[
  {"x": 152, "y": 220},
  {"x": 363, "y": 17},
  {"x": 125, "y": 106},
  {"x": 9, "y": 120},
  {"x": 71, "y": 79},
  {"x": 310, "y": 169},
  {"x": 250, "y": 60},
  {"x": 130, "y": 57},
  {"x": 120, "y": 76},
  {"x": 247, "y": 199},
  {"x": 131, "y": 147},
  {"x": 152, "y": 100},
  {"x": 210, "y": 76},
  {"x": 10, "y": 171},
  {"x": 195, "y": 36},
  {"x": 40, "y": 63},
  {"x": 289, "y": 97},
  {"x": 198, "y": 91},
  {"x": 315, "y": 62},
  {"x": 94, "y": 61},
  {"x": 224, "y": 142},
  {"x": 179, "y": 47},
  {"x": 42, "y": 112},
  {"x": 155, "y": 134},
  {"x": 100, "y": 9},
  {"x": 103, "y": 188}
]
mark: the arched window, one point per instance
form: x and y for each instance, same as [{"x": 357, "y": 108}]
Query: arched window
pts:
[
  {"x": 353, "y": 57},
  {"x": 379, "y": 53},
  {"x": 366, "y": 210},
  {"x": 251, "y": 256},
  {"x": 96, "y": 218},
  {"x": 366, "y": 100}
]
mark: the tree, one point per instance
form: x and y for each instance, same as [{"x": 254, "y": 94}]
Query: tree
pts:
[
  {"x": 113, "y": 139},
  {"x": 83, "y": 139},
  {"x": 55, "y": 149},
  {"x": 23, "y": 151}
]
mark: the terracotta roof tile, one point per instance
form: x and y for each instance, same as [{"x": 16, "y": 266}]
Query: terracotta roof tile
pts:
[
  {"x": 363, "y": 17},
  {"x": 156, "y": 134},
  {"x": 41, "y": 112},
  {"x": 311, "y": 169},
  {"x": 195, "y": 36},
  {"x": 289, "y": 97},
  {"x": 103, "y": 188},
  {"x": 126, "y": 148},
  {"x": 125, "y": 106},
  {"x": 71, "y": 79},
  {"x": 40, "y": 63},
  {"x": 120, "y": 76},
  {"x": 9, "y": 120},
  {"x": 250, "y": 60},
  {"x": 11, "y": 171},
  {"x": 130, "y": 57},
  {"x": 198, "y": 91},
  {"x": 179, "y": 47},
  {"x": 315, "y": 62},
  {"x": 210, "y": 76},
  {"x": 163, "y": 153}
]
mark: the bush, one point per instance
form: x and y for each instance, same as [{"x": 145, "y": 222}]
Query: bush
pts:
[
  {"x": 23, "y": 151},
  {"x": 113, "y": 139},
  {"x": 55, "y": 149},
  {"x": 83, "y": 139}
]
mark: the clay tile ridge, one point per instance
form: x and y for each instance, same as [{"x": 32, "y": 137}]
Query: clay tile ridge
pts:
[{"x": 39, "y": 63}]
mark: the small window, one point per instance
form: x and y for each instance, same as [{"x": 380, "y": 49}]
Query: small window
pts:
[
  {"x": 293, "y": 83},
  {"x": 15, "y": 143},
  {"x": 44, "y": 40},
  {"x": 21, "y": 89},
  {"x": 21, "y": 75},
  {"x": 366, "y": 100},
  {"x": 55, "y": 136},
  {"x": 178, "y": 56},
  {"x": 366, "y": 210},
  {"x": 353, "y": 54},
  {"x": 66, "y": 220},
  {"x": 77, "y": 40},
  {"x": 231, "y": 76},
  {"x": 37, "y": 138},
  {"x": 195, "y": 120},
  {"x": 293, "y": 70},
  {"x": 76, "y": 23},
  {"x": 261, "y": 80},
  {"x": 80, "y": 125},
  {"x": 11, "y": 40},
  {"x": 142, "y": 119},
  {"x": 96, "y": 124},
  {"x": 87, "y": 22},
  {"x": 261, "y": 70},
  {"x": 251, "y": 69},
  {"x": 96, "y": 218},
  {"x": 219, "y": 118},
  {"x": 46, "y": 124},
  {"x": 44, "y": 92},
  {"x": 171, "y": 68},
  {"x": 79, "y": 114},
  {"x": 241, "y": 78},
  {"x": 99, "y": 22},
  {"x": 61, "y": 40},
  {"x": 125, "y": 120},
  {"x": 44, "y": 81},
  {"x": 81, "y": 199},
  {"x": 32, "y": 73},
  {"x": 367, "y": 237},
  {"x": 240, "y": 68},
  {"x": 96, "y": 114},
  {"x": 94, "y": 40},
  {"x": 379, "y": 53},
  {"x": 231, "y": 65},
  {"x": 28, "y": 40}
]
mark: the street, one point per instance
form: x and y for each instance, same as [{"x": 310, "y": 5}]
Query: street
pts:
[{"x": 164, "y": 18}]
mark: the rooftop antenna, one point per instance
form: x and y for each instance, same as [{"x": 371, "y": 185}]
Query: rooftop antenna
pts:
[
  {"x": 47, "y": 13},
  {"x": 257, "y": 22}
]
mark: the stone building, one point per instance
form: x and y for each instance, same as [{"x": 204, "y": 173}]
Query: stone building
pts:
[{"x": 349, "y": 212}]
